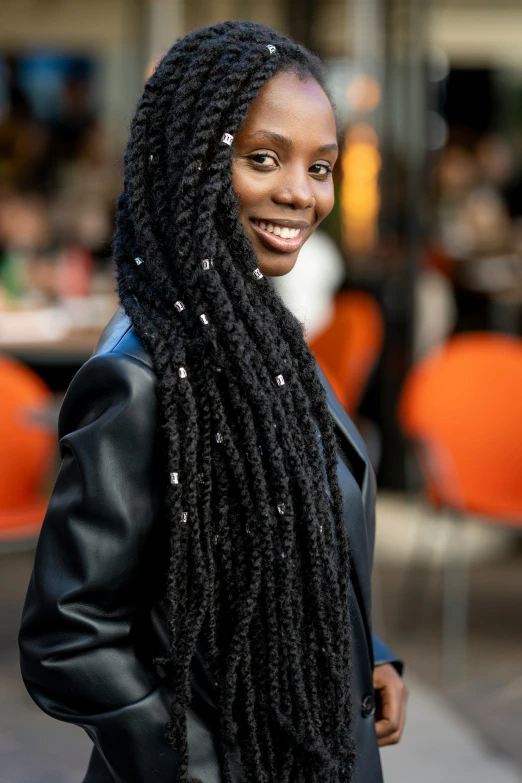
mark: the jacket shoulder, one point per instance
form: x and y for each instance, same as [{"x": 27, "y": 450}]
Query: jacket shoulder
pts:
[
  {"x": 120, "y": 372},
  {"x": 119, "y": 337}
]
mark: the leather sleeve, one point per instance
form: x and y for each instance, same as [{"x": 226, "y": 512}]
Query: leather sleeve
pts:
[
  {"x": 91, "y": 575},
  {"x": 382, "y": 654}
]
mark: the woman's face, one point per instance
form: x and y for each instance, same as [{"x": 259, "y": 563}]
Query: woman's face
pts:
[{"x": 284, "y": 154}]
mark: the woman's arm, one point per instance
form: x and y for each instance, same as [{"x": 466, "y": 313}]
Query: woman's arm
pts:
[
  {"x": 382, "y": 655},
  {"x": 92, "y": 573}
]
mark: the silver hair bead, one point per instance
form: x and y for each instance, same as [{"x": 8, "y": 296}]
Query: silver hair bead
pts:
[
  {"x": 271, "y": 48},
  {"x": 151, "y": 158},
  {"x": 207, "y": 263},
  {"x": 203, "y": 318},
  {"x": 179, "y": 306},
  {"x": 280, "y": 380},
  {"x": 184, "y": 516},
  {"x": 182, "y": 372},
  {"x": 281, "y": 508},
  {"x": 139, "y": 260},
  {"x": 219, "y": 437},
  {"x": 174, "y": 478},
  {"x": 227, "y": 138},
  {"x": 258, "y": 274},
  {"x": 321, "y": 529}
]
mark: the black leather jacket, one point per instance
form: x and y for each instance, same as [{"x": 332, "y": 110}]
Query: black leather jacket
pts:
[{"x": 93, "y": 622}]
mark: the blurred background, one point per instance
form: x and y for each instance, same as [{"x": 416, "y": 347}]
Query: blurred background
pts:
[{"x": 411, "y": 293}]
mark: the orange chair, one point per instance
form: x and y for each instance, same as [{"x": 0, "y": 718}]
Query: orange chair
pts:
[
  {"x": 27, "y": 447},
  {"x": 462, "y": 408},
  {"x": 348, "y": 349}
]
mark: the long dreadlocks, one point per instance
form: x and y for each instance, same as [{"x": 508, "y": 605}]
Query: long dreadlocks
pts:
[{"x": 259, "y": 564}]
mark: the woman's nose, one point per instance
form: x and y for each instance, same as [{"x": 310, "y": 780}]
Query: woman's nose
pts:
[{"x": 295, "y": 191}]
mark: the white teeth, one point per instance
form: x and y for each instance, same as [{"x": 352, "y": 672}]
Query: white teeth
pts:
[{"x": 280, "y": 231}]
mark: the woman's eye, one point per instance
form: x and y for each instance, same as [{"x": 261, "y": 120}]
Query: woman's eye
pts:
[
  {"x": 321, "y": 169},
  {"x": 263, "y": 159}
]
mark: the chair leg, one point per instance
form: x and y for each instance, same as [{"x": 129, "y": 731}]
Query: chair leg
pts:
[
  {"x": 417, "y": 571},
  {"x": 455, "y": 601}
]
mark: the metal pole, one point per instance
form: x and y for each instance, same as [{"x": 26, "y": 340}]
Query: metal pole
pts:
[
  {"x": 402, "y": 215},
  {"x": 455, "y": 601},
  {"x": 165, "y": 23}
]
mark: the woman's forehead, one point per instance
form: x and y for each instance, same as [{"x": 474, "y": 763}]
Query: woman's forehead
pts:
[{"x": 291, "y": 107}]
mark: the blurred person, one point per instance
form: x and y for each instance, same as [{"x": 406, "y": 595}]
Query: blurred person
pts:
[
  {"x": 496, "y": 160},
  {"x": 25, "y": 235},
  {"x": 485, "y": 222},
  {"x": 200, "y": 600},
  {"x": 479, "y": 226},
  {"x": 457, "y": 171},
  {"x": 472, "y": 215},
  {"x": 24, "y": 146},
  {"x": 24, "y": 222},
  {"x": 75, "y": 118},
  {"x": 83, "y": 206}
]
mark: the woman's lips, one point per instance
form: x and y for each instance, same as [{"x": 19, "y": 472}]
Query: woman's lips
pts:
[{"x": 288, "y": 245}]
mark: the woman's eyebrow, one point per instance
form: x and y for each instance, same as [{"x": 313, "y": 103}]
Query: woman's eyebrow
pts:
[
  {"x": 328, "y": 148},
  {"x": 271, "y": 136},
  {"x": 286, "y": 142}
]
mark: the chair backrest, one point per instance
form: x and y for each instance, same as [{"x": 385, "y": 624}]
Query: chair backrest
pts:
[
  {"x": 463, "y": 405},
  {"x": 348, "y": 349},
  {"x": 26, "y": 446}
]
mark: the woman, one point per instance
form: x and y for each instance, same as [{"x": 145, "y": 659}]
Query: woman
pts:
[{"x": 200, "y": 596}]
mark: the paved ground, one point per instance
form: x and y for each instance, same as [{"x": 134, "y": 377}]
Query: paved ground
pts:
[
  {"x": 465, "y": 732},
  {"x": 440, "y": 746},
  {"x": 33, "y": 747},
  {"x": 489, "y": 693}
]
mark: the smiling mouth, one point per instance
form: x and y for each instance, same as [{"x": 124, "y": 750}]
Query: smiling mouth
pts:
[{"x": 286, "y": 239}]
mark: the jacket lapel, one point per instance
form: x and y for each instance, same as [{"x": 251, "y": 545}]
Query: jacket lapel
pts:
[{"x": 361, "y": 532}]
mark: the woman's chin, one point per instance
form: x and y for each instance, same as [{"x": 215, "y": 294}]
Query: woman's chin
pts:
[{"x": 276, "y": 264}]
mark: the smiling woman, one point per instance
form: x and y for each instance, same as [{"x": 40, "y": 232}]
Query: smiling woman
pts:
[
  {"x": 284, "y": 156},
  {"x": 200, "y": 601}
]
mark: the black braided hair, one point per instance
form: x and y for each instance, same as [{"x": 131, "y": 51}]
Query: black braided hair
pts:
[{"x": 259, "y": 565}]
